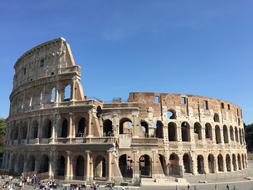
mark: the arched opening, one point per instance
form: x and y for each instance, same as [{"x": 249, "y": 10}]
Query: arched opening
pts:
[
  {"x": 79, "y": 167},
  {"x": 211, "y": 163},
  {"x": 67, "y": 93},
  {"x": 20, "y": 166},
  {"x": 31, "y": 164},
  {"x": 144, "y": 126},
  {"x": 171, "y": 114},
  {"x": 232, "y": 133},
  {"x": 217, "y": 134},
  {"x": 13, "y": 163},
  {"x": 34, "y": 130},
  {"x": 107, "y": 128},
  {"x": 61, "y": 166},
  {"x": 243, "y": 162},
  {"x": 236, "y": 135},
  {"x": 53, "y": 95},
  {"x": 125, "y": 166},
  {"x": 125, "y": 126},
  {"x": 174, "y": 168},
  {"x": 145, "y": 166},
  {"x": 234, "y": 162},
  {"x": 200, "y": 161},
  {"x": 220, "y": 163},
  {"x": 44, "y": 164},
  {"x": 187, "y": 163},
  {"x": 225, "y": 134},
  {"x": 47, "y": 129},
  {"x": 228, "y": 163},
  {"x": 64, "y": 129},
  {"x": 239, "y": 162},
  {"x": 216, "y": 118},
  {"x": 159, "y": 129},
  {"x": 100, "y": 167},
  {"x": 99, "y": 111},
  {"x": 23, "y": 130},
  {"x": 185, "y": 131},
  {"x": 240, "y": 135},
  {"x": 81, "y": 128},
  {"x": 197, "y": 131},
  {"x": 172, "y": 130},
  {"x": 208, "y": 131}
]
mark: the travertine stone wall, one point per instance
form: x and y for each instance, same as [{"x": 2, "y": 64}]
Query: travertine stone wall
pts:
[{"x": 57, "y": 132}]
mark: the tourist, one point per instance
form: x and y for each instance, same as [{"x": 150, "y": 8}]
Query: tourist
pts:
[{"x": 227, "y": 187}]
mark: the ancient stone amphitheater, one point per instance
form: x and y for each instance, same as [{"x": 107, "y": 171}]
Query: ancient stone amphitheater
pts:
[{"x": 54, "y": 130}]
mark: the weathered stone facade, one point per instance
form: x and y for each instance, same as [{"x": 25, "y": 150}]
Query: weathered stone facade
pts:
[{"x": 57, "y": 132}]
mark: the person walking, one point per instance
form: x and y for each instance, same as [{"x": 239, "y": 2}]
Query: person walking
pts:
[{"x": 227, "y": 187}]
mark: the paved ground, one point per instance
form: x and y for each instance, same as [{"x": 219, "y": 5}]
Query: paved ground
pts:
[{"x": 236, "y": 181}]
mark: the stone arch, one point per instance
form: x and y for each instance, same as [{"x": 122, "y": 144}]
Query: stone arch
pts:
[
  {"x": 197, "y": 131},
  {"x": 63, "y": 132},
  {"x": 23, "y": 130},
  {"x": 216, "y": 118},
  {"x": 174, "y": 168},
  {"x": 232, "y": 133},
  {"x": 44, "y": 164},
  {"x": 31, "y": 163},
  {"x": 100, "y": 167},
  {"x": 225, "y": 134},
  {"x": 236, "y": 135},
  {"x": 234, "y": 162},
  {"x": 172, "y": 130},
  {"x": 185, "y": 131},
  {"x": 81, "y": 127},
  {"x": 61, "y": 166},
  {"x": 144, "y": 126},
  {"x": 159, "y": 129},
  {"x": 239, "y": 162},
  {"x": 171, "y": 114},
  {"x": 107, "y": 128},
  {"x": 125, "y": 166},
  {"x": 211, "y": 163},
  {"x": 145, "y": 166},
  {"x": 187, "y": 163},
  {"x": 163, "y": 164},
  {"x": 200, "y": 164},
  {"x": 78, "y": 166},
  {"x": 47, "y": 129},
  {"x": 208, "y": 131},
  {"x": 15, "y": 133},
  {"x": 53, "y": 95},
  {"x": 220, "y": 163},
  {"x": 34, "y": 130},
  {"x": 217, "y": 134},
  {"x": 67, "y": 93},
  {"x": 125, "y": 126},
  {"x": 228, "y": 163},
  {"x": 13, "y": 162}
]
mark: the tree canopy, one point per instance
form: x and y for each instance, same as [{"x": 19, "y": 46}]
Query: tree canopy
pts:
[
  {"x": 3, "y": 126},
  {"x": 249, "y": 136}
]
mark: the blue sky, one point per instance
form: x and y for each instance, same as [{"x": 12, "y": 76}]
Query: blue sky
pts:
[{"x": 193, "y": 47}]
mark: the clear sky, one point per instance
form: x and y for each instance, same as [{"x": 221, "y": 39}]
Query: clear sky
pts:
[{"x": 192, "y": 46}]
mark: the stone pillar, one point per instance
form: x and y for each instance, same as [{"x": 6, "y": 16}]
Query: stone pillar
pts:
[
  {"x": 89, "y": 166},
  {"x": 109, "y": 167},
  {"x": 179, "y": 133},
  {"x": 136, "y": 172},
  {"x": 216, "y": 169},
  {"x": 69, "y": 174},
  {"x": 89, "y": 133},
  {"x": 28, "y": 131},
  {"x": 194, "y": 165},
  {"x": 54, "y": 128},
  {"x": 70, "y": 129},
  {"x": 224, "y": 164},
  {"x": 52, "y": 164},
  {"x": 206, "y": 168}
]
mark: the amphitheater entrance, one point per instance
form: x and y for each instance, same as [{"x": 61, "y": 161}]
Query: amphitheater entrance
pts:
[
  {"x": 187, "y": 163},
  {"x": 228, "y": 163},
  {"x": 61, "y": 166},
  {"x": 78, "y": 167},
  {"x": 239, "y": 162},
  {"x": 159, "y": 129},
  {"x": 125, "y": 126},
  {"x": 144, "y": 126},
  {"x": 200, "y": 161},
  {"x": 47, "y": 129},
  {"x": 211, "y": 163},
  {"x": 20, "y": 165},
  {"x": 174, "y": 168},
  {"x": 234, "y": 162},
  {"x": 64, "y": 129},
  {"x": 100, "y": 168},
  {"x": 163, "y": 164},
  {"x": 145, "y": 166},
  {"x": 31, "y": 164},
  {"x": 172, "y": 130},
  {"x": 44, "y": 164},
  {"x": 125, "y": 166},
  {"x": 220, "y": 163}
]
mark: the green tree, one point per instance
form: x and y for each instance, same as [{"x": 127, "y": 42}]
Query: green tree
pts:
[
  {"x": 3, "y": 126},
  {"x": 249, "y": 136}
]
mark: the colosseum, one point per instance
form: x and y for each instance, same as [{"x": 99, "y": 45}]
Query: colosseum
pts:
[{"x": 56, "y": 131}]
